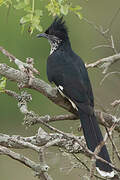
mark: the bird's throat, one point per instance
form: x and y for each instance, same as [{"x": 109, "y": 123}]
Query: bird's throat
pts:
[{"x": 54, "y": 45}]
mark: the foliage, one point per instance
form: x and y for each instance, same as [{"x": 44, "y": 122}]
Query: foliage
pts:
[
  {"x": 62, "y": 7},
  {"x": 2, "y": 84},
  {"x": 33, "y": 15}
]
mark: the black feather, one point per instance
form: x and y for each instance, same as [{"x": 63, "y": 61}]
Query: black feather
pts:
[
  {"x": 66, "y": 69},
  {"x": 58, "y": 29}
]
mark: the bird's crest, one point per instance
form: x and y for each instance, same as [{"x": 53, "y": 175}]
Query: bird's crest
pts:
[{"x": 58, "y": 29}]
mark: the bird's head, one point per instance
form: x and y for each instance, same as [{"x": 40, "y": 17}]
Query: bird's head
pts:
[{"x": 56, "y": 33}]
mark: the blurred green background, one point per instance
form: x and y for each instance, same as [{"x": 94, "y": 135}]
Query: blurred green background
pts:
[{"x": 83, "y": 38}]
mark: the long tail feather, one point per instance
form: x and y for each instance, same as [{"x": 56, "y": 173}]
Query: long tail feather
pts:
[{"x": 93, "y": 137}]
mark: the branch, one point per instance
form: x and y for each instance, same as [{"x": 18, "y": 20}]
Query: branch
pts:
[
  {"x": 71, "y": 143},
  {"x": 61, "y": 138},
  {"x": 43, "y": 139},
  {"x": 21, "y": 65},
  {"x": 105, "y": 33},
  {"x": 39, "y": 169},
  {"x": 38, "y": 85},
  {"x": 81, "y": 162},
  {"x": 109, "y": 120},
  {"x": 107, "y": 62},
  {"x": 115, "y": 103},
  {"x": 51, "y": 93}
]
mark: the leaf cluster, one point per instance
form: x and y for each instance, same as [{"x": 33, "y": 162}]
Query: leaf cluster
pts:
[
  {"x": 63, "y": 7},
  {"x": 33, "y": 14}
]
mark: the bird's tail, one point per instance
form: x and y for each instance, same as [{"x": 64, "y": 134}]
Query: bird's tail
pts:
[{"x": 93, "y": 137}]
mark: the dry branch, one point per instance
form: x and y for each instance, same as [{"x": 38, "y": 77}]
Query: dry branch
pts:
[
  {"x": 69, "y": 142},
  {"x": 39, "y": 169},
  {"x": 52, "y": 94},
  {"x": 105, "y": 63},
  {"x": 37, "y": 84}
]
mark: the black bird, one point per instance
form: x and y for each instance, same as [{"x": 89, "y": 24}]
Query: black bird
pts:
[{"x": 67, "y": 70}]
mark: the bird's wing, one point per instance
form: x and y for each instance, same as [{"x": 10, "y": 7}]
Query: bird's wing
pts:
[
  {"x": 80, "y": 66},
  {"x": 71, "y": 75},
  {"x": 74, "y": 89}
]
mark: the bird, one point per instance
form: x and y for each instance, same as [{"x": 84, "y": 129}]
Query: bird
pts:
[{"x": 68, "y": 72}]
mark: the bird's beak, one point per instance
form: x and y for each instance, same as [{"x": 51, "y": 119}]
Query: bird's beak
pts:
[{"x": 42, "y": 35}]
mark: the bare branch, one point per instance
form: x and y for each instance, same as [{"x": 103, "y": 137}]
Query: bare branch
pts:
[
  {"x": 109, "y": 120},
  {"x": 31, "y": 118},
  {"x": 21, "y": 65},
  {"x": 113, "y": 19},
  {"x": 48, "y": 91},
  {"x": 101, "y": 46},
  {"x": 77, "y": 158},
  {"x": 41, "y": 170},
  {"x": 107, "y": 62},
  {"x": 105, "y": 33},
  {"x": 108, "y": 74},
  {"x": 37, "y": 84},
  {"x": 115, "y": 103}
]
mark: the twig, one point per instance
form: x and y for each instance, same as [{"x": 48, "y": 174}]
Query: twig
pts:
[
  {"x": 83, "y": 146},
  {"x": 115, "y": 103},
  {"x": 106, "y": 62},
  {"x": 48, "y": 91},
  {"x": 37, "y": 84},
  {"x": 113, "y": 18},
  {"x": 101, "y": 46},
  {"x": 26, "y": 145},
  {"x": 108, "y": 74},
  {"x": 104, "y": 33},
  {"x": 109, "y": 134},
  {"x": 53, "y": 95},
  {"x": 27, "y": 162},
  {"x": 72, "y": 137},
  {"x": 76, "y": 157},
  {"x": 42, "y": 140},
  {"x": 21, "y": 65}
]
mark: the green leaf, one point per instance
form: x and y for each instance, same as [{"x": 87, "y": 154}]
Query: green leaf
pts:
[
  {"x": 53, "y": 8},
  {"x": 2, "y": 84},
  {"x": 39, "y": 28},
  {"x": 64, "y": 9},
  {"x": 27, "y": 2},
  {"x": 26, "y": 19},
  {"x": 38, "y": 12},
  {"x": 20, "y": 5},
  {"x": 28, "y": 9},
  {"x": 35, "y": 21}
]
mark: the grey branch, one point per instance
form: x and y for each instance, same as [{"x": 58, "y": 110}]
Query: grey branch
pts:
[
  {"x": 21, "y": 65},
  {"x": 43, "y": 139},
  {"x": 51, "y": 93},
  {"x": 71, "y": 143},
  {"x": 68, "y": 141},
  {"x": 34, "y": 119},
  {"x": 105, "y": 63},
  {"x": 40, "y": 169},
  {"x": 36, "y": 84},
  {"x": 115, "y": 103}
]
